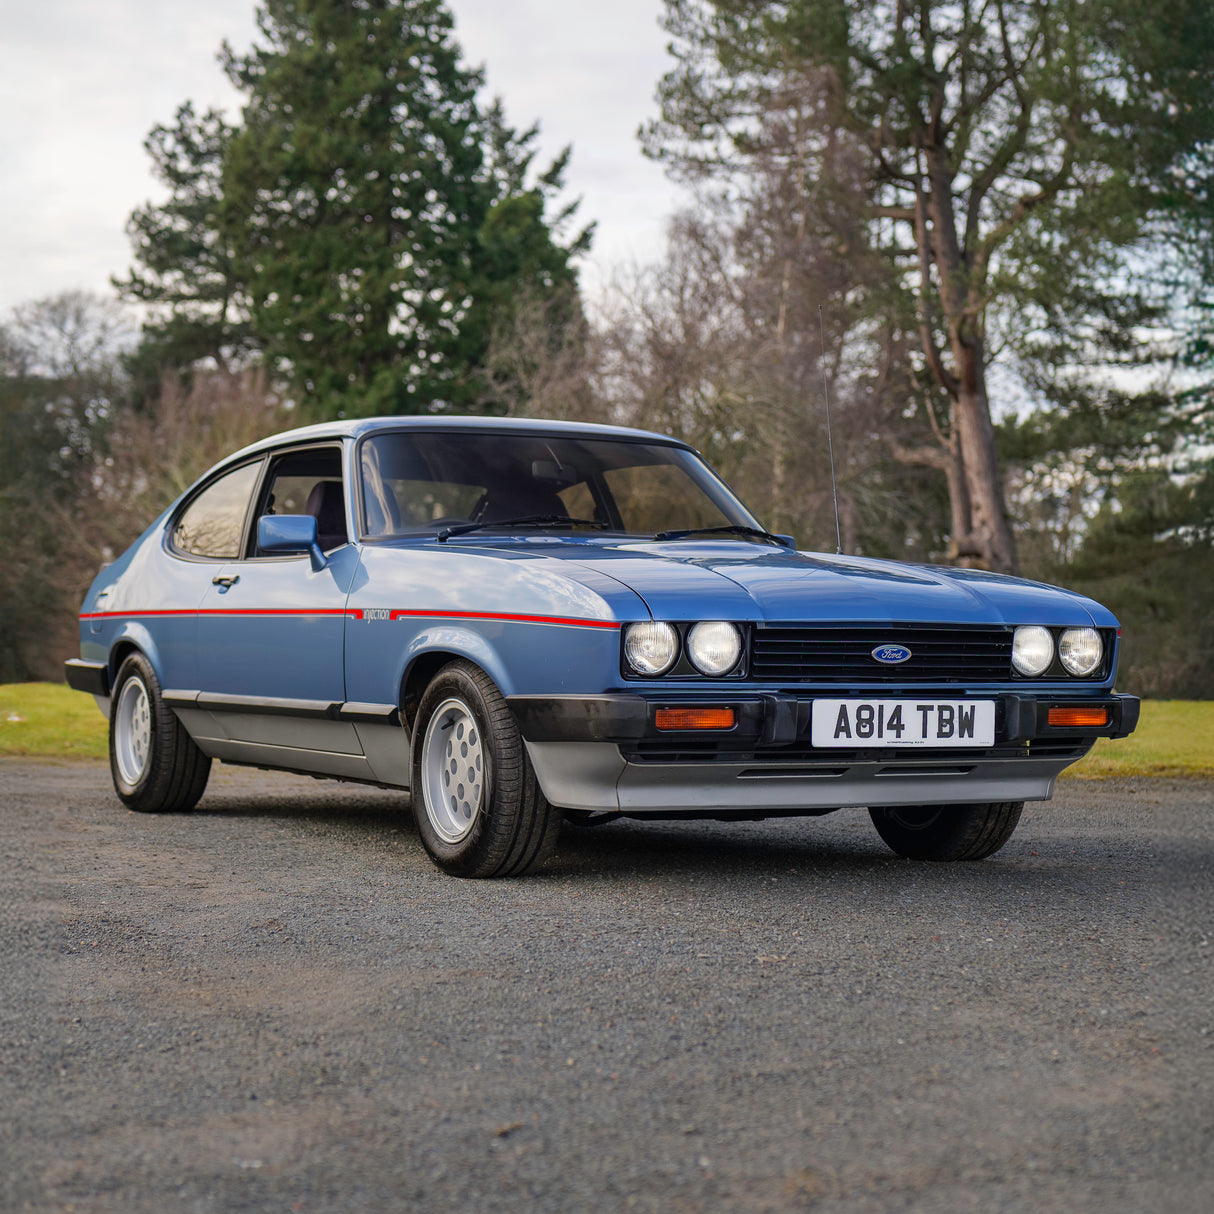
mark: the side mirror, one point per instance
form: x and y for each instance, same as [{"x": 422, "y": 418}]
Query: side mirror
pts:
[{"x": 290, "y": 533}]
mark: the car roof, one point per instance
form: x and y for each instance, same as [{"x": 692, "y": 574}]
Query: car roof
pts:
[{"x": 360, "y": 427}]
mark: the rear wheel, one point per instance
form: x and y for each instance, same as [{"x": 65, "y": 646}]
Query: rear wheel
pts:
[
  {"x": 947, "y": 832},
  {"x": 479, "y": 808},
  {"x": 154, "y": 763}
]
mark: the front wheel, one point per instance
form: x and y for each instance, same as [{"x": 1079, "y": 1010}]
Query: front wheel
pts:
[
  {"x": 947, "y": 832},
  {"x": 480, "y": 811},
  {"x": 154, "y": 763}
]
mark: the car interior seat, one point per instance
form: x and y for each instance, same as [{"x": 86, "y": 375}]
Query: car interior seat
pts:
[
  {"x": 326, "y": 505},
  {"x": 518, "y": 501}
]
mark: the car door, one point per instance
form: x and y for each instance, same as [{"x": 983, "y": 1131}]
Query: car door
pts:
[
  {"x": 209, "y": 529},
  {"x": 271, "y": 628}
]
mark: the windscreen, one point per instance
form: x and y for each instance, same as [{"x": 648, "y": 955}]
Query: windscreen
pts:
[{"x": 417, "y": 482}]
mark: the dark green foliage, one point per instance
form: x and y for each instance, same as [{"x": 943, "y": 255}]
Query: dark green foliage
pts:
[
  {"x": 365, "y": 228},
  {"x": 32, "y": 473},
  {"x": 197, "y": 306},
  {"x": 1118, "y": 503},
  {"x": 381, "y": 221},
  {"x": 1152, "y": 562}
]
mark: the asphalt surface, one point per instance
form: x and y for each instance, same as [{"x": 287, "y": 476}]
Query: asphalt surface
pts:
[{"x": 277, "y": 1003}]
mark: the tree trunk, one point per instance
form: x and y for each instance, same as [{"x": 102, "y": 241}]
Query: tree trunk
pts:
[{"x": 988, "y": 542}]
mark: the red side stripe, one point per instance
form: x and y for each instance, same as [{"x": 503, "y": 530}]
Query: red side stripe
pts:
[
  {"x": 491, "y": 615},
  {"x": 396, "y": 614},
  {"x": 122, "y": 615}
]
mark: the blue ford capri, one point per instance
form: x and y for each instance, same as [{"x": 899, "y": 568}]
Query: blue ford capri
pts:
[{"x": 529, "y": 622}]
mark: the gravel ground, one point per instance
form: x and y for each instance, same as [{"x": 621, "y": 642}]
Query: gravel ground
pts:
[{"x": 277, "y": 1003}]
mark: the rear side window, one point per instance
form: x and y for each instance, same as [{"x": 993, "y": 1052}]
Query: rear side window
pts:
[{"x": 212, "y": 525}]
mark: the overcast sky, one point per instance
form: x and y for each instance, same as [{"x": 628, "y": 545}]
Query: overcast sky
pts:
[{"x": 83, "y": 81}]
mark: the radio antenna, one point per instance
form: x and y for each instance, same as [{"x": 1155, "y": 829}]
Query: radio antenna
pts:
[{"x": 830, "y": 443}]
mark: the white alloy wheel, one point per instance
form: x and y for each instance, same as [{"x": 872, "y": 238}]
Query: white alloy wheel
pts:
[
  {"x": 453, "y": 770},
  {"x": 479, "y": 809},
  {"x": 155, "y": 764},
  {"x": 132, "y": 730}
]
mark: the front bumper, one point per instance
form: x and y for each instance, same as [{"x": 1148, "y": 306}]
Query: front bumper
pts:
[
  {"x": 771, "y": 721},
  {"x": 605, "y": 753}
]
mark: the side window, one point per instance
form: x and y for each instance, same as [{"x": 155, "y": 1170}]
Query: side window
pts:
[
  {"x": 310, "y": 482},
  {"x": 212, "y": 524}
]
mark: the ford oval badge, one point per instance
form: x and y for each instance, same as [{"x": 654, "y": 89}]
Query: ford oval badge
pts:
[{"x": 891, "y": 655}]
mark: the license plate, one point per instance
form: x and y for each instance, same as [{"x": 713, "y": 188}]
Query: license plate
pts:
[{"x": 852, "y": 723}]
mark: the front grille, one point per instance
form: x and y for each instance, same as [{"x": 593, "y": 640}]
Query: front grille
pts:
[{"x": 954, "y": 653}]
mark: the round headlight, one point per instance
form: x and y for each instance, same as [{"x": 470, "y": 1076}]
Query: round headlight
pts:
[
  {"x": 1080, "y": 650},
  {"x": 651, "y": 648},
  {"x": 1032, "y": 649},
  {"x": 714, "y": 647}
]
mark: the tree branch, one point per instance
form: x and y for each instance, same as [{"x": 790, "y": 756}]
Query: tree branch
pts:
[
  {"x": 922, "y": 457},
  {"x": 1024, "y": 205},
  {"x": 906, "y": 214}
]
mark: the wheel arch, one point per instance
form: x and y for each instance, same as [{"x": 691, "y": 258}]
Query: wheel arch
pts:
[
  {"x": 134, "y": 638},
  {"x": 422, "y": 667}
]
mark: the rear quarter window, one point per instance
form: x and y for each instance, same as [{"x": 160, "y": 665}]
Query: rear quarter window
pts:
[{"x": 212, "y": 525}]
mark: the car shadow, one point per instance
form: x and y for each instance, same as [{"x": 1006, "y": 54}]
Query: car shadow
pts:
[
  {"x": 306, "y": 800},
  {"x": 625, "y": 845},
  {"x": 839, "y": 845}
]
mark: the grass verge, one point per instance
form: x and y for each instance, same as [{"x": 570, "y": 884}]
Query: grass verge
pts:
[
  {"x": 51, "y": 720},
  {"x": 1174, "y": 737}
]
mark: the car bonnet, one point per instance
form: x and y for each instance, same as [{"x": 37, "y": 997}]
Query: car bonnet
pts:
[{"x": 732, "y": 580}]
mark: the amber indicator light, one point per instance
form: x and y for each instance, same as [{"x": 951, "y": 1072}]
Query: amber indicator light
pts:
[
  {"x": 694, "y": 718},
  {"x": 1082, "y": 718}
]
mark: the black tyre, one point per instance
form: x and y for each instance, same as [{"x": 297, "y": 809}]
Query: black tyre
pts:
[
  {"x": 155, "y": 765},
  {"x": 947, "y": 832},
  {"x": 478, "y": 806}
]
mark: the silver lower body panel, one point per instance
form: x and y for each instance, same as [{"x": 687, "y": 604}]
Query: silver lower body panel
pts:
[
  {"x": 371, "y": 754},
  {"x": 594, "y": 776}
]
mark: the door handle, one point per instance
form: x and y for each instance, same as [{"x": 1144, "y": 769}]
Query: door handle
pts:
[{"x": 226, "y": 582}]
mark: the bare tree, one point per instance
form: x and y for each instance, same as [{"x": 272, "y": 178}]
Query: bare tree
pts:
[
  {"x": 541, "y": 361},
  {"x": 1020, "y": 160},
  {"x": 722, "y": 344},
  {"x": 147, "y": 460}
]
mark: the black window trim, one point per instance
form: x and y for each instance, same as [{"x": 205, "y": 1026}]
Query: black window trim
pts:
[{"x": 249, "y": 545}]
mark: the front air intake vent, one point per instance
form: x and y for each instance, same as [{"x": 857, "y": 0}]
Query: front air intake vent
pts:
[{"x": 954, "y": 653}]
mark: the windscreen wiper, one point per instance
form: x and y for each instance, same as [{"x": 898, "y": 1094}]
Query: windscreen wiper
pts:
[
  {"x": 527, "y": 520},
  {"x": 733, "y": 529}
]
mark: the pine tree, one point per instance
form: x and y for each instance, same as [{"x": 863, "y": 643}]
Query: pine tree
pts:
[
  {"x": 381, "y": 221},
  {"x": 197, "y": 307},
  {"x": 365, "y": 228}
]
